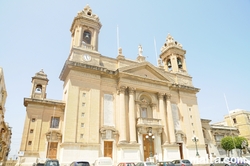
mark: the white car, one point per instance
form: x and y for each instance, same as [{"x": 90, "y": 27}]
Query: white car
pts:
[{"x": 147, "y": 163}]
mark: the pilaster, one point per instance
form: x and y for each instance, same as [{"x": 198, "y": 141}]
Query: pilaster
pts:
[
  {"x": 170, "y": 120},
  {"x": 123, "y": 129},
  {"x": 132, "y": 115},
  {"x": 163, "y": 116}
]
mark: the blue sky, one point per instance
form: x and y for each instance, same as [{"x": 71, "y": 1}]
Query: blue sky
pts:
[{"x": 216, "y": 35}]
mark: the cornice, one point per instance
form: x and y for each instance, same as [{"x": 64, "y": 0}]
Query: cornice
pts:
[
  {"x": 184, "y": 87},
  {"x": 144, "y": 64},
  {"x": 47, "y": 102},
  {"x": 144, "y": 79},
  {"x": 69, "y": 64},
  {"x": 78, "y": 19}
]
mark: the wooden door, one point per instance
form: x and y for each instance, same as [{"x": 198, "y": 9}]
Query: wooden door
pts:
[
  {"x": 52, "y": 150},
  {"x": 108, "y": 148},
  {"x": 180, "y": 150},
  {"x": 148, "y": 147}
]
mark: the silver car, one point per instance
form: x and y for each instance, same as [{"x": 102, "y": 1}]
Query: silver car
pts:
[
  {"x": 182, "y": 162},
  {"x": 147, "y": 163}
]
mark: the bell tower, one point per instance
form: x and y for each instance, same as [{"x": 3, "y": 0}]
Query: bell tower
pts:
[
  {"x": 85, "y": 30},
  {"x": 39, "y": 84},
  {"x": 173, "y": 56}
]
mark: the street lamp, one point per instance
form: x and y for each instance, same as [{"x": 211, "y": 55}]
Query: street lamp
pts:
[{"x": 195, "y": 140}]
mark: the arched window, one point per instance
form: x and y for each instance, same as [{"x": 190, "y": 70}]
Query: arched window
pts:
[
  {"x": 145, "y": 108},
  {"x": 144, "y": 112},
  {"x": 39, "y": 88},
  {"x": 169, "y": 65},
  {"x": 86, "y": 37},
  {"x": 179, "y": 63}
]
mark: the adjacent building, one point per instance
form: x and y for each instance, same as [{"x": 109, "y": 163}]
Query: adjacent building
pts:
[
  {"x": 5, "y": 129},
  {"x": 127, "y": 109},
  {"x": 240, "y": 119},
  {"x": 213, "y": 133}
]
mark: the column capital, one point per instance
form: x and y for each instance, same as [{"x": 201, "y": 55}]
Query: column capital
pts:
[
  {"x": 131, "y": 90},
  {"x": 153, "y": 105},
  {"x": 168, "y": 96},
  {"x": 160, "y": 95},
  {"x": 121, "y": 89}
]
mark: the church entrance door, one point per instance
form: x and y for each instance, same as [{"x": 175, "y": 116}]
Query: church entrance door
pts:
[
  {"x": 52, "y": 150},
  {"x": 148, "y": 147},
  {"x": 108, "y": 148}
]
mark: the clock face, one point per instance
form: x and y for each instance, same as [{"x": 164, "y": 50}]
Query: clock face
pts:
[{"x": 86, "y": 57}]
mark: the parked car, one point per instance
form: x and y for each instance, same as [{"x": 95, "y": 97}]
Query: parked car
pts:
[
  {"x": 80, "y": 163},
  {"x": 165, "y": 163},
  {"x": 51, "y": 163},
  {"x": 38, "y": 164},
  {"x": 103, "y": 161},
  {"x": 126, "y": 164},
  {"x": 182, "y": 162},
  {"x": 147, "y": 163}
]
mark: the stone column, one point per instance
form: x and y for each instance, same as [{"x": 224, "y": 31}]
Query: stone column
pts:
[
  {"x": 153, "y": 106},
  {"x": 132, "y": 116},
  {"x": 170, "y": 120},
  {"x": 76, "y": 37},
  {"x": 163, "y": 117},
  {"x": 123, "y": 130},
  {"x": 94, "y": 41},
  {"x": 80, "y": 35},
  {"x": 184, "y": 66}
]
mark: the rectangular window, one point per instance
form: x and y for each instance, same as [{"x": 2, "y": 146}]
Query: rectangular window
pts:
[
  {"x": 54, "y": 122},
  {"x": 82, "y": 124},
  {"x": 83, "y": 104},
  {"x": 83, "y": 114},
  {"x": 31, "y": 130},
  {"x": 84, "y": 95},
  {"x": 235, "y": 121},
  {"x": 30, "y": 142},
  {"x": 144, "y": 112},
  {"x": 33, "y": 119},
  {"x": 81, "y": 136},
  {"x": 108, "y": 110}
]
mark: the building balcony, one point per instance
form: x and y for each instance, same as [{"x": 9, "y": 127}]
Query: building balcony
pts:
[{"x": 149, "y": 122}]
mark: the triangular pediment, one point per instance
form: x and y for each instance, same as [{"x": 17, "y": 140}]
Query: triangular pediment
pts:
[{"x": 145, "y": 70}]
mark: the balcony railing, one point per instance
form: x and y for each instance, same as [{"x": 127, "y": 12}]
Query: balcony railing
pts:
[
  {"x": 148, "y": 122},
  {"x": 87, "y": 46}
]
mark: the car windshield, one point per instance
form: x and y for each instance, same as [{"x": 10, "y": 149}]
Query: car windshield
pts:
[
  {"x": 186, "y": 161},
  {"x": 40, "y": 164},
  {"x": 82, "y": 164},
  {"x": 150, "y": 163},
  {"x": 52, "y": 163}
]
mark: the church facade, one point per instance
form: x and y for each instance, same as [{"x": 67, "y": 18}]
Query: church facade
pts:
[{"x": 129, "y": 110}]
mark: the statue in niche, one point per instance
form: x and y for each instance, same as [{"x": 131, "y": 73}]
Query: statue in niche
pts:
[{"x": 143, "y": 100}]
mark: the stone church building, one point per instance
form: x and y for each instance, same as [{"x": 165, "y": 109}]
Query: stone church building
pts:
[{"x": 129, "y": 110}]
